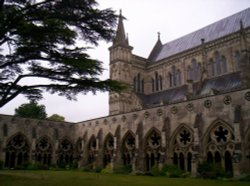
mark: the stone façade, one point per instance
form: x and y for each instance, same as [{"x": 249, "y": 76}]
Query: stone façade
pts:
[{"x": 187, "y": 103}]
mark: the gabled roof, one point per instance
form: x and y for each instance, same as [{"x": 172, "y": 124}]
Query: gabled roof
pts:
[{"x": 211, "y": 32}]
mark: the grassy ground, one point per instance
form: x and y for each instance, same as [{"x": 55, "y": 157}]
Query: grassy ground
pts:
[{"x": 77, "y": 178}]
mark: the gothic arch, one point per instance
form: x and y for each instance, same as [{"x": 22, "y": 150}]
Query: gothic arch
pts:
[
  {"x": 214, "y": 124},
  {"x": 152, "y": 148},
  {"x": 17, "y": 150},
  {"x": 218, "y": 144},
  {"x": 44, "y": 150},
  {"x": 247, "y": 147},
  {"x": 108, "y": 148},
  {"x": 128, "y": 147},
  {"x": 92, "y": 149},
  {"x": 181, "y": 145},
  {"x": 65, "y": 152}
]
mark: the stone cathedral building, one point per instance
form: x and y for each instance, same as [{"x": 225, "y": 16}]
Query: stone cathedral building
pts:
[{"x": 188, "y": 103}]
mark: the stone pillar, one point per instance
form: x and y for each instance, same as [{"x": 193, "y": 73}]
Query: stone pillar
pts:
[
  {"x": 32, "y": 158},
  {"x": 2, "y": 149},
  {"x": 55, "y": 153},
  {"x": 236, "y": 164}
]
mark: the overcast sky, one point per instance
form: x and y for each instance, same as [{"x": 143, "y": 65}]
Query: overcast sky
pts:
[{"x": 172, "y": 18}]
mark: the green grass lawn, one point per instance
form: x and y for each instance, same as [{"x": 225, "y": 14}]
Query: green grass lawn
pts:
[{"x": 77, "y": 178}]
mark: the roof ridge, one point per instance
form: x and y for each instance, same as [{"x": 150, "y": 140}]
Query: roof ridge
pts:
[{"x": 213, "y": 31}]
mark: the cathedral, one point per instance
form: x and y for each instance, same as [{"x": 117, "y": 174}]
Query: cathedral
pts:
[{"x": 187, "y": 103}]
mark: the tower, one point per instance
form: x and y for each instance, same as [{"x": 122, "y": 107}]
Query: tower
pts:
[{"x": 120, "y": 70}]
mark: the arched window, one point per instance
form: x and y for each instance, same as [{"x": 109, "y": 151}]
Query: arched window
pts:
[
  {"x": 174, "y": 75},
  {"x": 142, "y": 86},
  {"x": 217, "y": 60},
  {"x": 153, "y": 84},
  {"x": 135, "y": 84},
  {"x": 156, "y": 81},
  {"x": 210, "y": 68},
  {"x": 223, "y": 64},
  {"x": 237, "y": 60},
  {"x": 178, "y": 77},
  {"x": 189, "y": 73},
  {"x": 199, "y": 71},
  {"x": 160, "y": 82},
  {"x": 170, "y": 79},
  {"x": 195, "y": 70},
  {"x": 138, "y": 83}
]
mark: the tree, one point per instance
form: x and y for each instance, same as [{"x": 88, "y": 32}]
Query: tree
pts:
[
  {"x": 31, "y": 110},
  {"x": 40, "y": 51},
  {"x": 56, "y": 117}
]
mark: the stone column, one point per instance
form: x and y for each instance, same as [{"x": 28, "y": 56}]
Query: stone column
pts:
[
  {"x": 55, "y": 153},
  {"x": 33, "y": 151},
  {"x": 2, "y": 149}
]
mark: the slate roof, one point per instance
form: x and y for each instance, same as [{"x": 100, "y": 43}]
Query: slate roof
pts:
[
  {"x": 219, "y": 84},
  {"x": 211, "y": 32}
]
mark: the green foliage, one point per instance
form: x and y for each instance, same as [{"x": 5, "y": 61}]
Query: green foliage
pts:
[
  {"x": 122, "y": 169},
  {"x": 79, "y": 178},
  {"x": 171, "y": 171},
  {"x": 56, "y": 117},
  {"x": 107, "y": 170},
  {"x": 212, "y": 171},
  {"x": 44, "y": 53},
  {"x": 245, "y": 178},
  {"x": 31, "y": 110},
  {"x": 1, "y": 165}
]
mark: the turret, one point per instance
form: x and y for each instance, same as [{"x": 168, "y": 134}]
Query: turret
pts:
[{"x": 120, "y": 69}]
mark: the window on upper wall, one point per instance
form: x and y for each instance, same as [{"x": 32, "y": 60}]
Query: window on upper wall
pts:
[
  {"x": 178, "y": 77},
  {"x": 210, "y": 68},
  {"x": 170, "y": 79},
  {"x": 160, "y": 82},
  {"x": 237, "y": 60},
  {"x": 189, "y": 73},
  {"x": 156, "y": 81},
  {"x": 138, "y": 83},
  {"x": 220, "y": 64},
  {"x": 199, "y": 71},
  {"x": 195, "y": 70},
  {"x": 223, "y": 65},
  {"x": 217, "y": 61},
  {"x": 142, "y": 86},
  {"x": 153, "y": 84}
]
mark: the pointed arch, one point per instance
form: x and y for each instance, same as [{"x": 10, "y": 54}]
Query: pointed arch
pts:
[
  {"x": 44, "y": 150},
  {"x": 17, "y": 150},
  {"x": 128, "y": 147},
  {"x": 152, "y": 150},
  {"x": 108, "y": 148},
  {"x": 214, "y": 124},
  {"x": 65, "y": 152},
  {"x": 178, "y": 130}
]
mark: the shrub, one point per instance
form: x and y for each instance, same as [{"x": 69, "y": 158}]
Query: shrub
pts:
[
  {"x": 1, "y": 165},
  {"x": 246, "y": 178},
  {"x": 171, "y": 171},
  {"x": 212, "y": 171},
  {"x": 122, "y": 169},
  {"x": 107, "y": 170}
]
